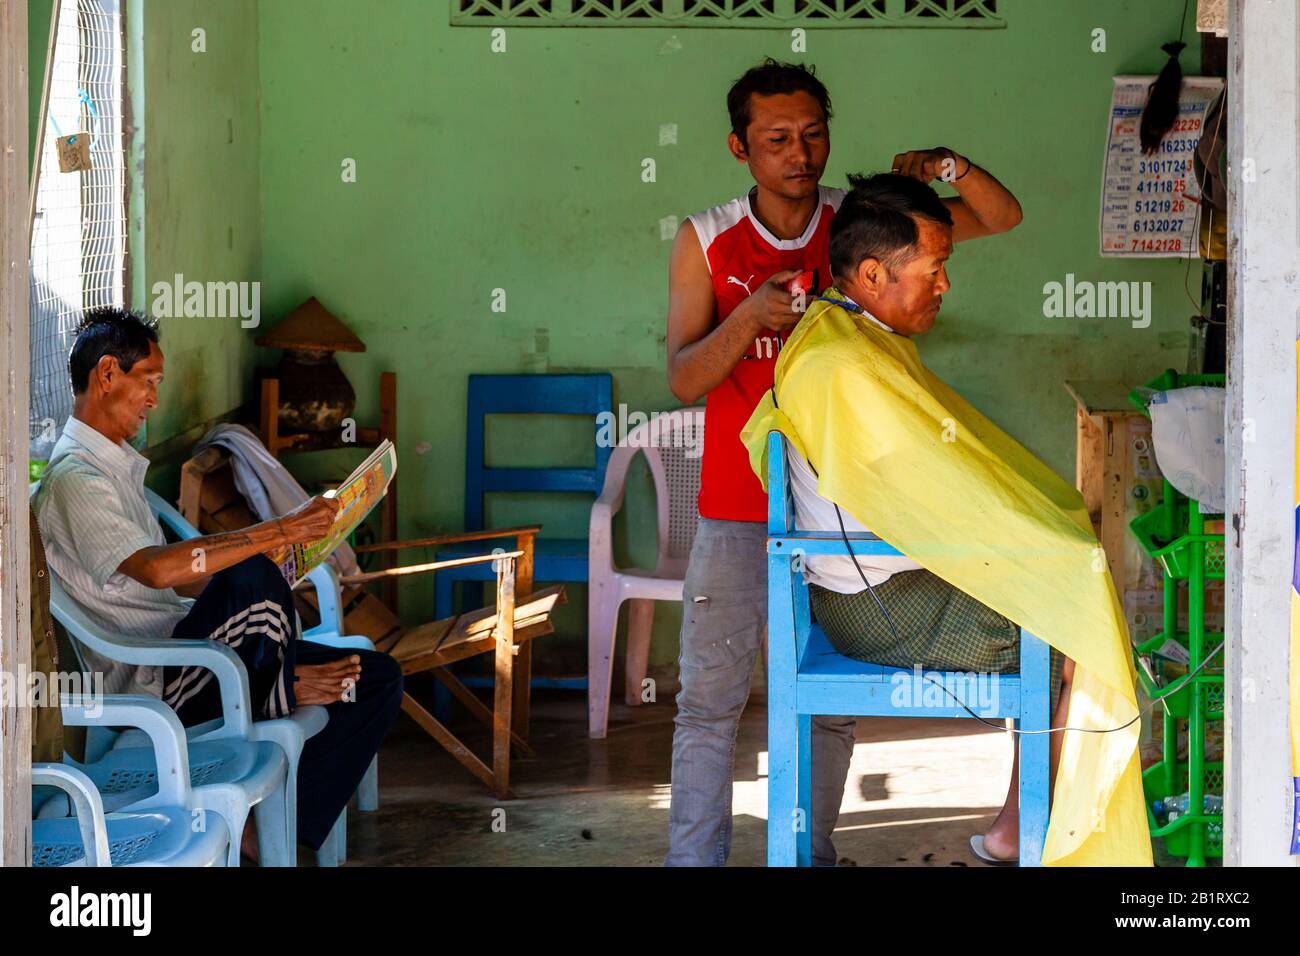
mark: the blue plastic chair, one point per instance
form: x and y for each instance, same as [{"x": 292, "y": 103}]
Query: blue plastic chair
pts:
[
  {"x": 334, "y": 850},
  {"x": 555, "y": 559},
  {"x": 329, "y": 598},
  {"x": 807, "y": 677},
  {"x": 166, "y": 829},
  {"x": 230, "y": 772}
]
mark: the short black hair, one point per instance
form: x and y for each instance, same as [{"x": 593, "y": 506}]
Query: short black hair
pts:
[
  {"x": 767, "y": 79},
  {"x": 875, "y": 221},
  {"x": 109, "y": 331}
]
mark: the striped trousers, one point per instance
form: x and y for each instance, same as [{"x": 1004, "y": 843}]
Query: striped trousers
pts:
[{"x": 249, "y": 607}]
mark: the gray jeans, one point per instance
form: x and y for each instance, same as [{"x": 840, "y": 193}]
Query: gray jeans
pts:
[{"x": 724, "y": 619}]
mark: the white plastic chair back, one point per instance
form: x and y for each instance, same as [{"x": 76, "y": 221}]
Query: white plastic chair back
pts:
[
  {"x": 681, "y": 465},
  {"x": 673, "y": 445}
]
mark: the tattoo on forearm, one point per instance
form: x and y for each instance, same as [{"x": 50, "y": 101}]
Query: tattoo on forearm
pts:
[{"x": 226, "y": 542}]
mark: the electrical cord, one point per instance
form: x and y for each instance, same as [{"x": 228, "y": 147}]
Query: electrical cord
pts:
[
  {"x": 1203, "y": 208},
  {"x": 962, "y": 704},
  {"x": 848, "y": 545}
]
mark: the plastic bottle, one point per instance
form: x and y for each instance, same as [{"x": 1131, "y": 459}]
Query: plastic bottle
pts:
[{"x": 1175, "y": 806}]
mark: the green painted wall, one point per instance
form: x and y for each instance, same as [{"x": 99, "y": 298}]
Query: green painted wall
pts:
[
  {"x": 195, "y": 199},
  {"x": 521, "y": 170},
  {"x": 193, "y": 185},
  {"x": 38, "y": 45}
]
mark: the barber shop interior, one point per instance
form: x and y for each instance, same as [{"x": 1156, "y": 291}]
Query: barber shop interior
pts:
[{"x": 650, "y": 433}]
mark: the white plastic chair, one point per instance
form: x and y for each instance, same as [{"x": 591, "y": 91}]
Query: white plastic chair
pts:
[
  {"x": 673, "y": 445},
  {"x": 166, "y": 829},
  {"x": 278, "y": 845},
  {"x": 334, "y": 851},
  {"x": 232, "y": 772}
]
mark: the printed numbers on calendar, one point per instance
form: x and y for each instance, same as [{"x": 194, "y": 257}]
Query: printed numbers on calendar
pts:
[
  {"x": 1157, "y": 225},
  {"x": 1156, "y": 245},
  {"x": 1160, "y": 166}
]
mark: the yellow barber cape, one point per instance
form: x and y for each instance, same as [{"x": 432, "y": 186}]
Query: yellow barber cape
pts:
[{"x": 918, "y": 465}]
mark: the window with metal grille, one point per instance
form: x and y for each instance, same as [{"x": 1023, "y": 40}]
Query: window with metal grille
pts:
[
  {"x": 78, "y": 252},
  {"x": 728, "y": 13}
]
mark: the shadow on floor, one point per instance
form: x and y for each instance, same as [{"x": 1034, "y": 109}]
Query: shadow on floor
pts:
[{"x": 916, "y": 792}]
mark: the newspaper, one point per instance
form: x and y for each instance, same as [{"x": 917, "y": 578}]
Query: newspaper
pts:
[{"x": 358, "y": 493}]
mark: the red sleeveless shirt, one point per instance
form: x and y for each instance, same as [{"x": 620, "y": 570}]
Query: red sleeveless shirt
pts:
[{"x": 742, "y": 254}]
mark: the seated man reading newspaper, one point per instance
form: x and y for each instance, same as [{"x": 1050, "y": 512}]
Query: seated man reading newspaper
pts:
[
  {"x": 108, "y": 553},
  {"x": 992, "y": 538}
]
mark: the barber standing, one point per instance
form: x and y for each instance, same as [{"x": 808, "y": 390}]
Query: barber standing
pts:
[{"x": 729, "y": 312}]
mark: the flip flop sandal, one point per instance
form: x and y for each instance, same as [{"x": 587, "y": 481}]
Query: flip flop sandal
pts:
[{"x": 977, "y": 847}]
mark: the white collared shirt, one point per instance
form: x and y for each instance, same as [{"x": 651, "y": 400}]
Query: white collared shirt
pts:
[
  {"x": 867, "y": 315},
  {"x": 93, "y": 516},
  {"x": 812, "y": 512}
]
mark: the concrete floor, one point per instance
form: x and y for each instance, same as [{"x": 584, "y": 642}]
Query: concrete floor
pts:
[{"x": 917, "y": 790}]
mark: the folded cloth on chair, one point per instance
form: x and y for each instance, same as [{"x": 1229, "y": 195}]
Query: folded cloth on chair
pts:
[
  {"x": 266, "y": 484},
  {"x": 918, "y": 465}
]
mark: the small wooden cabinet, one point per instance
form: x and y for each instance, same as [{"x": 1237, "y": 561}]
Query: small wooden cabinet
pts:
[
  {"x": 1115, "y": 470},
  {"x": 1117, "y": 474},
  {"x": 366, "y": 437}
]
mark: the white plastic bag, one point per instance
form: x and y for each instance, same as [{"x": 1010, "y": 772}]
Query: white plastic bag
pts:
[{"x": 1187, "y": 432}]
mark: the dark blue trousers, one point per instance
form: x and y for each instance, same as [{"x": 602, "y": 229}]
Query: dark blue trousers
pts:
[{"x": 249, "y": 607}]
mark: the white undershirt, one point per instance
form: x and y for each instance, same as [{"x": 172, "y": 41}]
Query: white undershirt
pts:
[{"x": 815, "y": 513}]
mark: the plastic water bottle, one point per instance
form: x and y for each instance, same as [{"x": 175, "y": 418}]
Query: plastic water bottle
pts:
[{"x": 1175, "y": 806}]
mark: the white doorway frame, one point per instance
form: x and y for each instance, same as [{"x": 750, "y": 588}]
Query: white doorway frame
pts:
[
  {"x": 15, "y": 612},
  {"x": 1263, "y": 301}
]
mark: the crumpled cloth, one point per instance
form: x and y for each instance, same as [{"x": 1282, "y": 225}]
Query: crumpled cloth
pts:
[{"x": 266, "y": 484}]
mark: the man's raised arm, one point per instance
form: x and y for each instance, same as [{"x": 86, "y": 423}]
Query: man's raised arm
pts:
[
  {"x": 700, "y": 355},
  {"x": 982, "y": 207},
  {"x": 176, "y": 565}
]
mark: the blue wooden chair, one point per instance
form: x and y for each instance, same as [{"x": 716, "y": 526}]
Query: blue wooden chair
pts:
[
  {"x": 165, "y": 829},
  {"x": 808, "y": 677},
  {"x": 555, "y": 559}
]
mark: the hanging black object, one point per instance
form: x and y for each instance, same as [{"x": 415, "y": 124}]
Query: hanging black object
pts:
[{"x": 1162, "y": 103}]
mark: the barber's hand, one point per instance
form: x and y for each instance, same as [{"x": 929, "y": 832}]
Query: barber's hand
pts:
[
  {"x": 930, "y": 164},
  {"x": 771, "y": 305},
  {"x": 311, "y": 521}
]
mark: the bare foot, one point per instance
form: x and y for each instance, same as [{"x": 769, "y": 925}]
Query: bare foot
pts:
[
  {"x": 326, "y": 683},
  {"x": 1000, "y": 844},
  {"x": 330, "y": 670},
  {"x": 320, "y": 693}
]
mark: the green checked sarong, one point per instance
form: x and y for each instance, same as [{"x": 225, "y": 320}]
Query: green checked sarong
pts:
[{"x": 939, "y": 627}]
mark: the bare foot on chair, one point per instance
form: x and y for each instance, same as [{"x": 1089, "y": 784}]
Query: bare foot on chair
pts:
[{"x": 326, "y": 683}]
